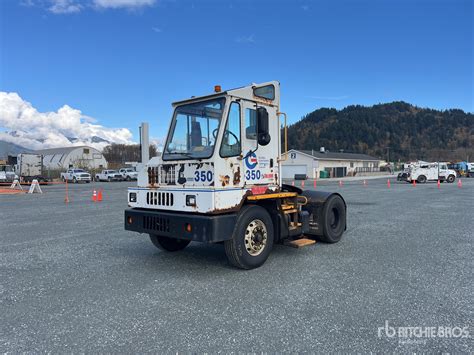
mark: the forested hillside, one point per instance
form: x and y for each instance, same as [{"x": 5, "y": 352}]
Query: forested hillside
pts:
[{"x": 403, "y": 131}]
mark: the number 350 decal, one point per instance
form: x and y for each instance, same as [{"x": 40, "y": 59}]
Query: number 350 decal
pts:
[
  {"x": 203, "y": 175},
  {"x": 252, "y": 175}
]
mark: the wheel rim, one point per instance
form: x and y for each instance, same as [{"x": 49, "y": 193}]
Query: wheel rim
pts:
[{"x": 256, "y": 237}]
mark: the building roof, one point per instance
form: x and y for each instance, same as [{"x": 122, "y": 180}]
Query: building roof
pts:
[
  {"x": 63, "y": 150},
  {"x": 336, "y": 155}
]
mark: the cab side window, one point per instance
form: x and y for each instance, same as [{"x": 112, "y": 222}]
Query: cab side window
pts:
[
  {"x": 250, "y": 123},
  {"x": 231, "y": 138}
]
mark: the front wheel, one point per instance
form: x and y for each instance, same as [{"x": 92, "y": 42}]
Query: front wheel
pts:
[
  {"x": 252, "y": 239},
  {"x": 450, "y": 179},
  {"x": 74, "y": 180},
  {"x": 168, "y": 244}
]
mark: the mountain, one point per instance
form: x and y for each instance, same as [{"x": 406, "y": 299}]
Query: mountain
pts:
[
  {"x": 398, "y": 130},
  {"x": 7, "y": 148}
]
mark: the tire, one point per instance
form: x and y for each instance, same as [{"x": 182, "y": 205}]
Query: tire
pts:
[
  {"x": 334, "y": 217},
  {"x": 252, "y": 239},
  {"x": 64, "y": 179},
  {"x": 168, "y": 244},
  {"x": 450, "y": 179},
  {"x": 421, "y": 179},
  {"x": 129, "y": 178},
  {"x": 109, "y": 179},
  {"x": 74, "y": 180}
]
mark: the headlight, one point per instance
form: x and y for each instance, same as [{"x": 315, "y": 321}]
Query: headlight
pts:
[{"x": 191, "y": 200}]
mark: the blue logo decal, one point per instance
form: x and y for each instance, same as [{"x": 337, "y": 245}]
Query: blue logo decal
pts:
[{"x": 251, "y": 161}]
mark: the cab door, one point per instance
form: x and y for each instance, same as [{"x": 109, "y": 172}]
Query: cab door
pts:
[
  {"x": 258, "y": 160},
  {"x": 230, "y": 151}
]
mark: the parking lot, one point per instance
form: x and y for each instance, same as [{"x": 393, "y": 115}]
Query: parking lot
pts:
[{"x": 72, "y": 279}]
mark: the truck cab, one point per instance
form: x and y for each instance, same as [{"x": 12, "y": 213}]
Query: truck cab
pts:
[{"x": 219, "y": 169}]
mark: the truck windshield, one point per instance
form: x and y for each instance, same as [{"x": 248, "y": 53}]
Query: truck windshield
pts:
[
  {"x": 194, "y": 130},
  {"x": 6, "y": 168}
]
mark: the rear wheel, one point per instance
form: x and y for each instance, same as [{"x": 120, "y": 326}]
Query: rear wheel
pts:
[
  {"x": 450, "y": 179},
  {"x": 421, "y": 179},
  {"x": 168, "y": 244},
  {"x": 252, "y": 239},
  {"x": 334, "y": 217}
]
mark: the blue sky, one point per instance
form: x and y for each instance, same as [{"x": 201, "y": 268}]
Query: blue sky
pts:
[{"x": 125, "y": 61}]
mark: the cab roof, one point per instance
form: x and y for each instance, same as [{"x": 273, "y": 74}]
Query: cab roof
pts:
[{"x": 244, "y": 92}]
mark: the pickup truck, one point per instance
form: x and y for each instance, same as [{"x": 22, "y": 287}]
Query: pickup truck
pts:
[
  {"x": 109, "y": 175},
  {"x": 129, "y": 174},
  {"x": 7, "y": 174},
  {"x": 76, "y": 176}
]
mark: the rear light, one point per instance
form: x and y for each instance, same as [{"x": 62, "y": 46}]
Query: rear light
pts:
[
  {"x": 129, "y": 220},
  {"x": 132, "y": 197}
]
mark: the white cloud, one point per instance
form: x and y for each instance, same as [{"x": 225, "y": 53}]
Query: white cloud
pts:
[
  {"x": 115, "y": 4},
  {"x": 157, "y": 29},
  {"x": 38, "y": 130},
  {"x": 75, "y": 6},
  {"x": 64, "y": 7},
  {"x": 246, "y": 39}
]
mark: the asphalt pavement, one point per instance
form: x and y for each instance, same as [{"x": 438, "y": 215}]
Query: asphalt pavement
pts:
[{"x": 73, "y": 280}]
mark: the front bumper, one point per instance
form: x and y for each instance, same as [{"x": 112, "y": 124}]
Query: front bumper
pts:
[{"x": 204, "y": 228}]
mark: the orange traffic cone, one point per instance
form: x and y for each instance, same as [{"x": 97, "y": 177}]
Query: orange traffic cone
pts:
[
  {"x": 314, "y": 183},
  {"x": 414, "y": 182},
  {"x": 439, "y": 184},
  {"x": 94, "y": 196},
  {"x": 292, "y": 183},
  {"x": 459, "y": 183},
  {"x": 340, "y": 183},
  {"x": 99, "y": 195},
  {"x": 388, "y": 183},
  {"x": 365, "y": 183},
  {"x": 302, "y": 183},
  {"x": 66, "y": 199}
]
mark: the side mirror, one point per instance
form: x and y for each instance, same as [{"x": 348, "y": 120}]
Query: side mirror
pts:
[{"x": 263, "y": 135}]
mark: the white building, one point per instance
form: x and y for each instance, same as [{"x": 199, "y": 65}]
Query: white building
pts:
[
  {"x": 312, "y": 163},
  {"x": 69, "y": 157}
]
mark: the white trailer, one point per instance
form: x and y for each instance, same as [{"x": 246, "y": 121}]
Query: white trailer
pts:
[
  {"x": 219, "y": 180},
  {"x": 30, "y": 167}
]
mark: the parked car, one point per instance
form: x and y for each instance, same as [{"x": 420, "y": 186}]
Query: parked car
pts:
[
  {"x": 129, "y": 173},
  {"x": 76, "y": 176},
  {"x": 109, "y": 175}
]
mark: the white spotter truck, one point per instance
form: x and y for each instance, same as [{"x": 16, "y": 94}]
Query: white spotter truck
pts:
[
  {"x": 219, "y": 180},
  {"x": 423, "y": 172}
]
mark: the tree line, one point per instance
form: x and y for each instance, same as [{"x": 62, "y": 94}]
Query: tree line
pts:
[{"x": 397, "y": 130}]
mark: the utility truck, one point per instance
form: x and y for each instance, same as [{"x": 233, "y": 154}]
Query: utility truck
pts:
[
  {"x": 219, "y": 180},
  {"x": 423, "y": 172}
]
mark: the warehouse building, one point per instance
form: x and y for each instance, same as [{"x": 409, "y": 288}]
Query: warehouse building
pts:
[
  {"x": 320, "y": 164},
  {"x": 73, "y": 157}
]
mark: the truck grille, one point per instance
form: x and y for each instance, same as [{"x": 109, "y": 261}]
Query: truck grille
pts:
[
  {"x": 155, "y": 223},
  {"x": 162, "y": 174},
  {"x": 159, "y": 198}
]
